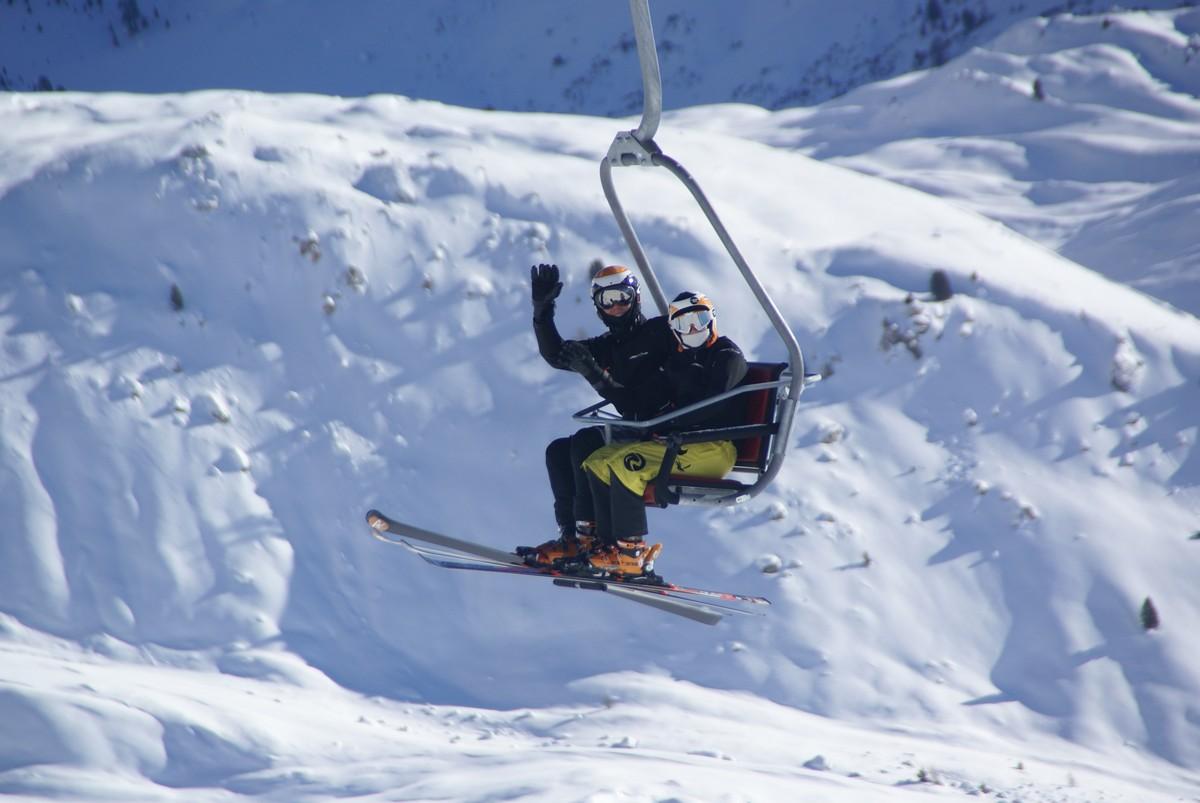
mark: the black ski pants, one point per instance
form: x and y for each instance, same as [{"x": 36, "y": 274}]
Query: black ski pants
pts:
[{"x": 568, "y": 484}]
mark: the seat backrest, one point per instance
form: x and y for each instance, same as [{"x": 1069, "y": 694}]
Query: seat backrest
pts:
[{"x": 759, "y": 409}]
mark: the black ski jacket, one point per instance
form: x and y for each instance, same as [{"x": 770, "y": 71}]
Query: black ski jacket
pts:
[
  {"x": 633, "y": 358},
  {"x": 691, "y": 375}
]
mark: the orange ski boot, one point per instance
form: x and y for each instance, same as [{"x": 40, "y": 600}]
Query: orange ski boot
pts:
[{"x": 631, "y": 560}]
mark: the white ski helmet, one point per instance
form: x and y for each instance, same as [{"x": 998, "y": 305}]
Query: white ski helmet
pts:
[{"x": 693, "y": 320}]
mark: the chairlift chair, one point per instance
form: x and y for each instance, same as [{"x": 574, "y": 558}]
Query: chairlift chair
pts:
[{"x": 770, "y": 390}]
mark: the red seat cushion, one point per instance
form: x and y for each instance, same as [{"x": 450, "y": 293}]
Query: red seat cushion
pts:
[{"x": 759, "y": 407}]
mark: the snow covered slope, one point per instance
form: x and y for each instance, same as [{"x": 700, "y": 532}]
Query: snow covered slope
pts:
[
  {"x": 232, "y": 322},
  {"x": 539, "y": 55},
  {"x": 1103, "y": 170},
  {"x": 1078, "y": 131}
]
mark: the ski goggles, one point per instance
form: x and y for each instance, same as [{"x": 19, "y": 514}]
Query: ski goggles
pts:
[
  {"x": 693, "y": 321},
  {"x": 610, "y": 297}
]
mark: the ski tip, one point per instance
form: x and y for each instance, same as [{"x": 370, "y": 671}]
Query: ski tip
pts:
[{"x": 377, "y": 520}]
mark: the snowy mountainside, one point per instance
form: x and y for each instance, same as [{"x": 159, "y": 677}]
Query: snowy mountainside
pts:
[
  {"x": 1102, "y": 169},
  {"x": 1078, "y": 131},
  {"x": 232, "y": 322},
  {"x": 536, "y": 55}
]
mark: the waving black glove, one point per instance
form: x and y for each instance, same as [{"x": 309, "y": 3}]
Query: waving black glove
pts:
[
  {"x": 576, "y": 356},
  {"x": 545, "y": 285}
]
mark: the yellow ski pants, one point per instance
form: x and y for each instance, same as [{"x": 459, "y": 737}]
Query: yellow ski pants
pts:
[{"x": 636, "y": 464}]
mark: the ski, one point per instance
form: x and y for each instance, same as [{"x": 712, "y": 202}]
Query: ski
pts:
[
  {"x": 566, "y": 580},
  {"x": 381, "y": 524},
  {"x": 390, "y": 531},
  {"x": 382, "y": 527},
  {"x": 668, "y": 597},
  {"x": 450, "y": 560}
]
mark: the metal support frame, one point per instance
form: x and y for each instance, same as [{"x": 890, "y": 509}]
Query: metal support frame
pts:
[{"x": 637, "y": 148}]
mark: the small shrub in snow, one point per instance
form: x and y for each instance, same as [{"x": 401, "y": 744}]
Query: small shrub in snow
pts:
[
  {"x": 268, "y": 153},
  {"x": 216, "y": 407},
  {"x": 128, "y": 387},
  {"x": 777, "y": 511},
  {"x": 478, "y": 287},
  {"x": 831, "y": 432},
  {"x": 310, "y": 246},
  {"x": 181, "y": 405},
  {"x": 982, "y": 487},
  {"x": 355, "y": 278},
  {"x": 927, "y": 776},
  {"x": 939, "y": 285},
  {"x": 893, "y": 335},
  {"x": 970, "y": 417},
  {"x": 194, "y": 152},
  {"x": 817, "y": 763},
  {"x": 711, "y": 754},
  {"x": 918, "y": 314},
  {"x": 1149, "y": 615},
  {"x": 1126, "y": 365},
  {"x": 770, "y": 564},
  {"x": 328, "y": 304},
  {"x": 74, "y": 304},
  {"x": 176, "y": 298}
]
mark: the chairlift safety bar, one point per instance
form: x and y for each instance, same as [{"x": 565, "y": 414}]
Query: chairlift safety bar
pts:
[{"x": 596, "y": 415}]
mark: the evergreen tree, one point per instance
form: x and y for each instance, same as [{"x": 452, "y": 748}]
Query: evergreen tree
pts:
[{"x": 1149, "y": 615}]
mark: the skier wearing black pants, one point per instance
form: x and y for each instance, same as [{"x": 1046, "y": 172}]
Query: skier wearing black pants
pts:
[{"x": 622, "y": 365}]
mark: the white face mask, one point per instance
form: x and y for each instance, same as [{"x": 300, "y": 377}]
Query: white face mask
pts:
[
  {"x": 694, "y": 340},
  {"x": 693, "y": 328}
]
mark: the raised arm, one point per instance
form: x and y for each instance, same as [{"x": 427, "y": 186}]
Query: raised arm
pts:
[{"x": 545, "y": 286}]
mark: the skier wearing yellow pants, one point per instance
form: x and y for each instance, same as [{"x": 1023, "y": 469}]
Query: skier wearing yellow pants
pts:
[{"x": 704, "y": 365}]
